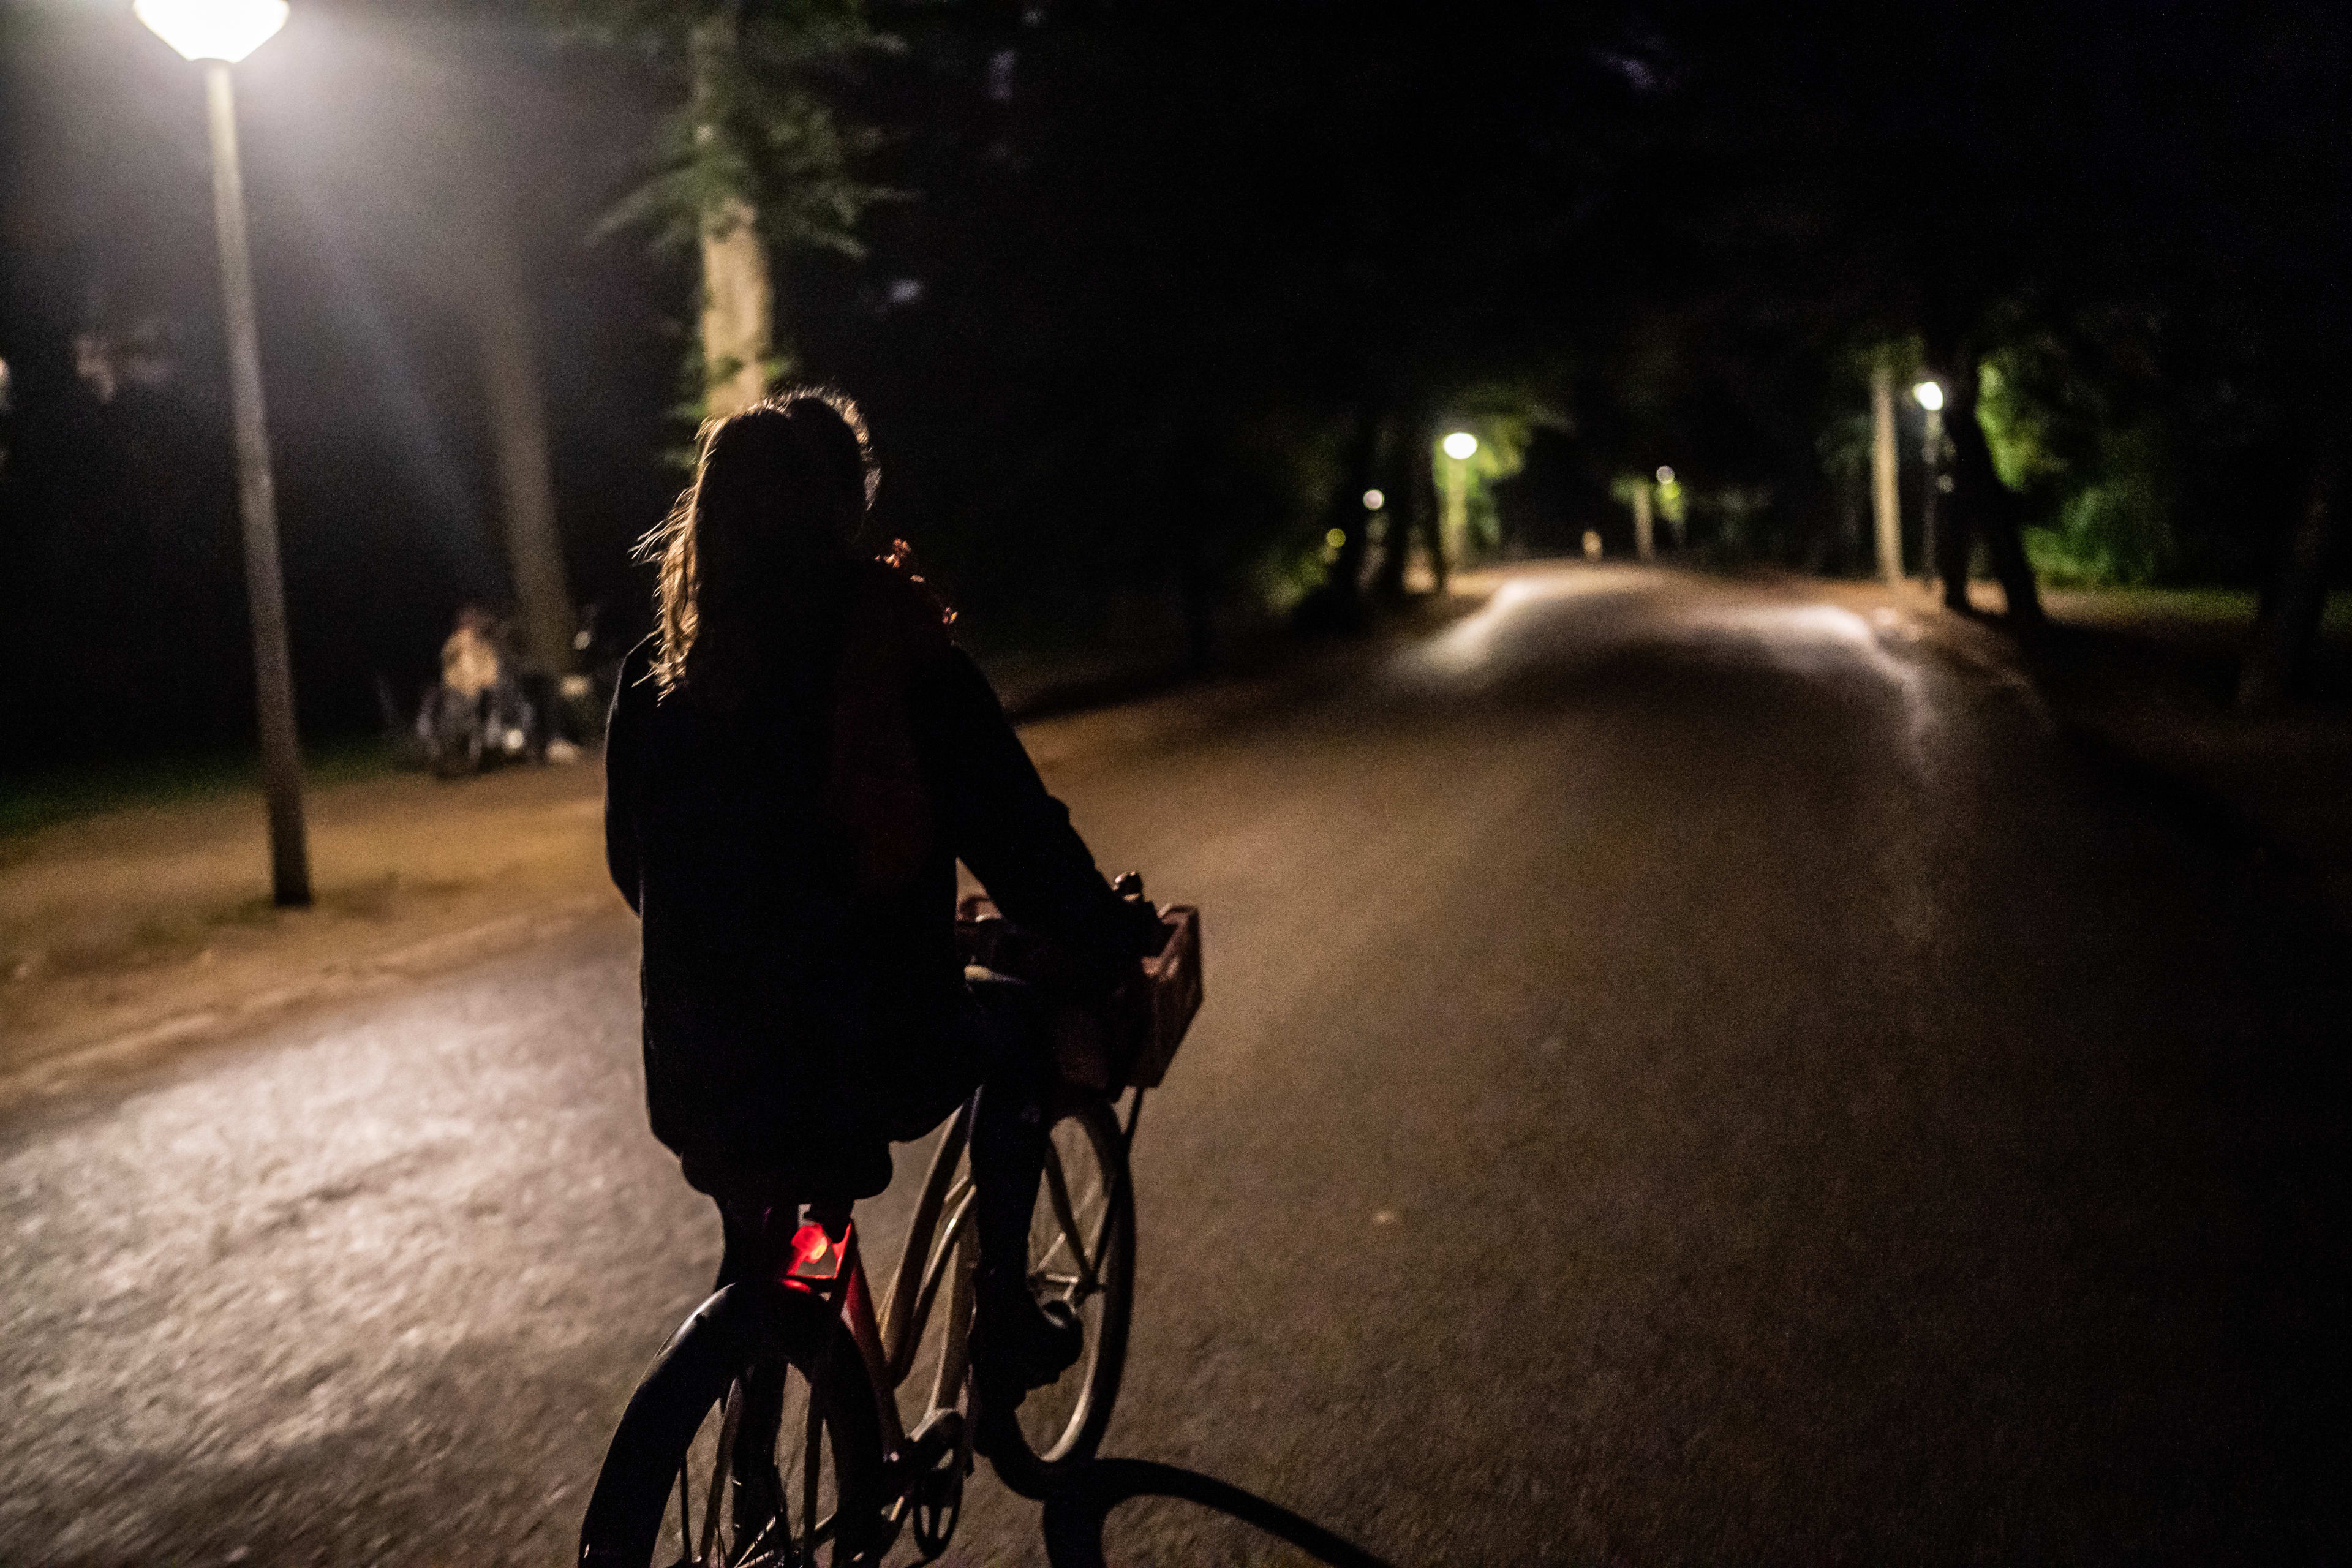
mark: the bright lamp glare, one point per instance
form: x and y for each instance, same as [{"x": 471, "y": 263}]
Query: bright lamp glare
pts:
[
  {"x": 1460, "y": 445},
  {"x": 1930, "y": 394},
  {"x": 213, "y": 29},
  {"x": 1374, "y": 501},
  {"x": 1666, "y": 475}
]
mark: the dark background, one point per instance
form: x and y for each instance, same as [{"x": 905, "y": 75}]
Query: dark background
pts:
[{"x": 1146, "y": 269}]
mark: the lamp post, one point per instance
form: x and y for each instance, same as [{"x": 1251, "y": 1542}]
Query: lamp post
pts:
[
  {"x": 1929, "y": 396},
  {"x": 1459, "y": 447},
  {"x": 220, "y": 33}
]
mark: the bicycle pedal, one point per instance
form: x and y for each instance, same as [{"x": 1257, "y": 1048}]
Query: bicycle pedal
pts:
[{"x": 933, "y": 1441}]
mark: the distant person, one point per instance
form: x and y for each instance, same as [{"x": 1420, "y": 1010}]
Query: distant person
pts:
[
  {"x": 479, "y": 676},
  {"x": 470, "y": 664},
  {"x": 795, "y": 764}
]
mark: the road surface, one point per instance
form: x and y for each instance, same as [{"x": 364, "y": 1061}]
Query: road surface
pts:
[{"x": 1691, "y": 1076}]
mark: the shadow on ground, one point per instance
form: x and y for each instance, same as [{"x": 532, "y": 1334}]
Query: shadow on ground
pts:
[{"x": 1076, "y": 1516}]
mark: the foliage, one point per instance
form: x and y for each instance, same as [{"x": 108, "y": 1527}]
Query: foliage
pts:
[
  {"x": 1504, "y": 416},
  {"x": 2107, "y": 486},
  {"x": 754, "y": 125}
]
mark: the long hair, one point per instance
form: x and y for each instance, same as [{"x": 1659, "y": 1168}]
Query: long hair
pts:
[{"x": 748, "y": 552}]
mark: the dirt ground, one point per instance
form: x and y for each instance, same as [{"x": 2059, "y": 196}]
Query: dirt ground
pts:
[
  {"x": 133, "y": 933},
  {"x": 136, "y": 930}
]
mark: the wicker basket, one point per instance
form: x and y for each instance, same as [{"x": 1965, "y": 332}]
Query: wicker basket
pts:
[{"x": 1130, "y": 1043}]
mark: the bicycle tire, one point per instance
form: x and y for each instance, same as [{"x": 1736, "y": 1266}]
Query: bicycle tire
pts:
[
  {"x": 1034, "y": 1464},
  {"x": 731, "y": 1339}
]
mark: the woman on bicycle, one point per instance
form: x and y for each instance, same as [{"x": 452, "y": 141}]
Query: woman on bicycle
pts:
[{"x": 796, "y": 760}]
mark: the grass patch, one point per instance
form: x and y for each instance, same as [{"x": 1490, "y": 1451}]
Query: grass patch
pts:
[
  {"x": 2220, "y": 608},
  {"x": 40, "y": 799}
]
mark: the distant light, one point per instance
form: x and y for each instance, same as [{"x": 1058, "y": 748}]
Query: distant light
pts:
[
  {"x": 1460, "y": 445},
  {"x": 1335, "y": 538},
  {"x": 1374, "y": 501},
  {"x": 1593, "y": 544},
  {"x": 1929, "y": 396},
  {"x": 213, "y": 29},
  {"x": 1666, "y": 475},
  {"x": 905, "y": 291}
]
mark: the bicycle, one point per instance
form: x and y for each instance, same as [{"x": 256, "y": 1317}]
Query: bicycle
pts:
[
  {"x": 786, "y": 1396},
  {"x": 788, "y": 1378}
]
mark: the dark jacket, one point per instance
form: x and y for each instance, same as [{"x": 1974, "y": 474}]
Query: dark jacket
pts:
[{"x": 792, "y": 857}]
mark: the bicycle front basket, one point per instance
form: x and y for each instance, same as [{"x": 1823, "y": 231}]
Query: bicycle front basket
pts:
[{"x": 1176, "y": 989}]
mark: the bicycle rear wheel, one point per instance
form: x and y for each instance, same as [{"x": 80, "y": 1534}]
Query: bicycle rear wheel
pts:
[
  {"x": 753, "y": 1443},
  {"x": 1081, "y": 1251}
]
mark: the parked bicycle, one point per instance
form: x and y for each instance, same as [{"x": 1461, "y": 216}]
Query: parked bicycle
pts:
[{"x": 790, "y": 1421}]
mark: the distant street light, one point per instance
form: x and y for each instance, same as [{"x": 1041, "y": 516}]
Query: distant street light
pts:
[
  {"x": 1670, "y": 502},
  {"x": 220, "y": 33},
  {"x": 1462, "y": 446},
  {"x": 1374, "y": 501},
  {"x": 1929, "y": 396}
]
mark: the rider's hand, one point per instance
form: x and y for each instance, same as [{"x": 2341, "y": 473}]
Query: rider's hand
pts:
[{"x": 1145, "y": 933}]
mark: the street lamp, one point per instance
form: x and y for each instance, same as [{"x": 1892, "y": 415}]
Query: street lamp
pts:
[
  {"x": 220, "y": 33},
  {"x": 1462, "y": 446}
]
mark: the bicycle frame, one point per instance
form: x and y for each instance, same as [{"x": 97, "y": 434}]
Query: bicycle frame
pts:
[{"x": 941, "y": 1249}]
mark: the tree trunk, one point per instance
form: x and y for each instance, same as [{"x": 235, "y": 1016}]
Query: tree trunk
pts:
[
  {"x": 1887, "y": 501},
  {"x": 738, "y": 295},
  {"x": 738, "y": 310},
  {"x": 1420, "y": 471},
  {"x": 2295, "y": 597},
  {"x": 1397, "y": 437},
  {"x": 1645, "y": 540},
  {"x": 1980, "y": 502},
  {"x": 1346, "y": 511},
  {"x": 517, "y": 414}
]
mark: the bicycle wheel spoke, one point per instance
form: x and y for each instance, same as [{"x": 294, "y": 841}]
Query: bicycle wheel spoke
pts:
[
  {"x": 721, "y": 1467},
  {"x": 1058, "y": 1190},
  {"x": 811, "y": 1464}
]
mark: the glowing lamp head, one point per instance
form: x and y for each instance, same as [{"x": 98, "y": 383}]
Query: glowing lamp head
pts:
[
  {"x": 1461, "y": 445},
  {"x": 1666, "y": 475},
  {"x": 1929, "y": 396},
  {"x": 225, "y": 30},
  {"x": 1374, "y": 501}
]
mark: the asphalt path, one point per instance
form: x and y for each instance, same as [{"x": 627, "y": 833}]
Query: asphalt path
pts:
[{"x": 1691, "y": 1076}]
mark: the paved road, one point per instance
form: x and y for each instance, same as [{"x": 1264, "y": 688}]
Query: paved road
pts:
[{"x": 1689, "y": 1077}]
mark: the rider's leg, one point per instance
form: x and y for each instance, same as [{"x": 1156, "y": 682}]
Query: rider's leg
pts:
[
  {"x": 1022, "y": 1342},
  {"x": 1008, "y": 1132}
]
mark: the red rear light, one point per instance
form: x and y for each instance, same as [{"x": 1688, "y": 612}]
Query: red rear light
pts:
[{"x": 815, "y": 1256}]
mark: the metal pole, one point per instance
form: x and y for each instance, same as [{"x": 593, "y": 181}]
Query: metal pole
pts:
[
  {"x": 1457, "y": 511},
  {"x": 1885, "y": 499},
  {"x": 1931, "y": 455},
  {"x": 273, "y": 669}
]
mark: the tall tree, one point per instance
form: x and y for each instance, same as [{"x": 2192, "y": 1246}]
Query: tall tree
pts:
[{"x": 754, "y": 161}]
